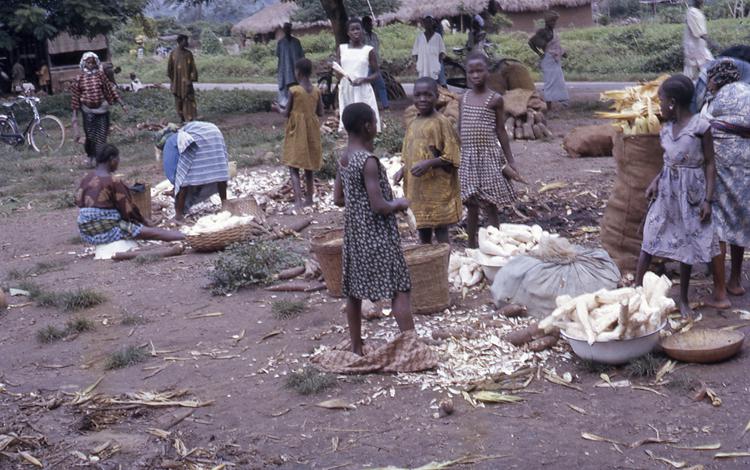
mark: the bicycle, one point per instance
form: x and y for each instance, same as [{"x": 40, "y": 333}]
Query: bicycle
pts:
[
  {"x": 42, "y": 133},
  {"x": 455, "y": 71}
]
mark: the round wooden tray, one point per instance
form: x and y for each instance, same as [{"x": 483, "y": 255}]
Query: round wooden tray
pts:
[{"x": 703, "y": 345}]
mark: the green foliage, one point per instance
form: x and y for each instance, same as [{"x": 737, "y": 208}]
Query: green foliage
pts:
[
  {"x": 69, "y": 301},
  {"x": 79, "y": 325},
  {"x": 312, "y": 10},
  {"x": 309, "y": 381},
  {"x": 244, "y": 264},
  {"x": 43, "y": 19},
  {"x": 645, "y": 366},
  {"x": 330, "y": 159},
  {"x": 623, "y": 8},
  {"x": 390, "y": 140},
  {"x": 286, "y": 309},
  {"x": 49, "y": 333},
  {"x": 125, "y": 357},
  {"x": 210, "y": 43}
]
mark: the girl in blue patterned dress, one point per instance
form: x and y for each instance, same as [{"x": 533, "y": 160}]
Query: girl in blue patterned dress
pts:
[
  {"x": 373, "y": 263},
  {"x": 678, "y": 224}
]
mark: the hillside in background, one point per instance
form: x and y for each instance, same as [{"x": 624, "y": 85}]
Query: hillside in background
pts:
[{"x": 221, "y": 11}]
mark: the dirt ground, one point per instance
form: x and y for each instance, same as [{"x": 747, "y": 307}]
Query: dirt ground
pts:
[{"x": 253, "y": 421}]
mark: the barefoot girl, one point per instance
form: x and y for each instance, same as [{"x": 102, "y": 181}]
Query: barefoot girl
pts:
[
  {"x": 486, "y": 167},
  {"x": 302, "y": 150},
  {"x": 431, "y": 158},
  {"x": 374, "y": 267},
  {"x": 678, "y": 224}
]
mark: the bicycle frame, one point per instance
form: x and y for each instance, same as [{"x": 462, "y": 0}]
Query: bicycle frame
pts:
[{"x": 20, "y": 137}]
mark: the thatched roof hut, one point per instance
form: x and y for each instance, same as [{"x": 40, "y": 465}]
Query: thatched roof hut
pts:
[
  {"x": 521, "y": 12},
  {"x": 271, "y": 18}
]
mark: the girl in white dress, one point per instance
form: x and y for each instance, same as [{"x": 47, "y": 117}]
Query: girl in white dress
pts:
[{"x": 357, "y": 59}]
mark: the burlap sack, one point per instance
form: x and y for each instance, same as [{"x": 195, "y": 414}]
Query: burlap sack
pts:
[
  {"x": 590, "y": 141},
  {"x": 639, "y": 159},
  {"x": 517, "y": 102},
  {"x": 510, "y": 74}
]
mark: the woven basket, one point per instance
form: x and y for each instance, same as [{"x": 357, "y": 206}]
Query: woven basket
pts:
[
  {"x": 428, "y": 269},
  {"x": 246, "y": 206},
  {"x": 216, "y": 241},
  {"x": 326, "y": 246}
]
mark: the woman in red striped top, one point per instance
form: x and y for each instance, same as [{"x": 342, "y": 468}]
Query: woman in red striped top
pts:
[{"x": 92, "y": 94}]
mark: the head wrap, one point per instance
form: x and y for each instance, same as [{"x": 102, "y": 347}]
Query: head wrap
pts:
[
  {"x": 724, "y": 73},
  {"x": 551, "y": 15},
  {"x": 86, "y": 56},
  {"x": 163, "y": 135},
  {"x": 479, "y": 20}
]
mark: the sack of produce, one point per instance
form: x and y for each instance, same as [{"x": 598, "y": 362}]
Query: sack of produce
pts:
[
  {"x": 555, "y": 268},
  {"x": 639, "y": 160},
  {"x": 517, "y": 102},
  {"x": 590, "y": 141},
  {"x": 509, "y": 74}
]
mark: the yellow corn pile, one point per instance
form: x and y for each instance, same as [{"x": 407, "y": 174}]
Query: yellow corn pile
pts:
[{"x": 636, "y": 109}]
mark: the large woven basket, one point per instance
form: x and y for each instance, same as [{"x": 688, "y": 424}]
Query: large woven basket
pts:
[
  {"x": 428, "y": 269},
  {"x": 216, "y": 241},
  {"x": 327, "y": 246}
]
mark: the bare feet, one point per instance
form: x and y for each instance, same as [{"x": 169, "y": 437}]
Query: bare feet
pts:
[
  {"x": 357, "y": 348},
  {"x": 685, "y": 310},
  {"x": 718, "y": 302},
  {"x": 735, "y": 288}
]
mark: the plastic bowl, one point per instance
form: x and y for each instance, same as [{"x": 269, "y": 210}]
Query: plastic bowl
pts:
[{"x": 615, "y": 352}]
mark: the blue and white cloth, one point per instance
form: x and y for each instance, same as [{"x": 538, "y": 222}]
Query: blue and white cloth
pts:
[{"x": 101, "y": 226}]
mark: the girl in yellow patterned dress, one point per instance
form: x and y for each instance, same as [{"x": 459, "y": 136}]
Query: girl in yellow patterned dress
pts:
[
  {"x": 302, "y": 149},
  {"x": 431, "y": 157}
]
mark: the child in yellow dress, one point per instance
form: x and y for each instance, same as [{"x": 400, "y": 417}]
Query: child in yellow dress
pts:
[
  {"x": 302, "y": 149},
  {"x": 431, "y": 156}
]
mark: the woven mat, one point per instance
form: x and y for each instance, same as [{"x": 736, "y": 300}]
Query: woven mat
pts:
[{"x": 406, "y": 353}]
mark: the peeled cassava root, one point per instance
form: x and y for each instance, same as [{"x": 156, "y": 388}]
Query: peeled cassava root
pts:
[
  {"x": 608, "y": 315},
  {"x": 529, "y": 126},
  {"x": 217, "y": 222},
  {"x": 463, "y": 271}
]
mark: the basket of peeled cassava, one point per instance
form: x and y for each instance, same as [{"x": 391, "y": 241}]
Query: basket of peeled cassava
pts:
[
  {"x": 613, "y": 326},
  {"x": 217, "y": 231}
]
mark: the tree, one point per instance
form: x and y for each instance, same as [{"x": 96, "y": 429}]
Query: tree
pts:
[
  {"x": 44, "y": 19},
  {"x": 314, "y": 10}
]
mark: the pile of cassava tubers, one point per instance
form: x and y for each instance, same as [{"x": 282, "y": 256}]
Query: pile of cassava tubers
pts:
[
  {"x": 524, "y": 116},
  {"x": 625, "y": 313}
]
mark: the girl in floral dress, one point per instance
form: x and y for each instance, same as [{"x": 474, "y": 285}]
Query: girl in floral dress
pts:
[
  {"x": 374, "y": 267},
  {"x": 678, "y": 224}
]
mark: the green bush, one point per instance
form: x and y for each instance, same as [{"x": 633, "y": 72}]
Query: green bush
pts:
[
  {"x": 244, "y": 264},
  {"x": 211, "y": 44},
  {"x": 390, "y": 140}
]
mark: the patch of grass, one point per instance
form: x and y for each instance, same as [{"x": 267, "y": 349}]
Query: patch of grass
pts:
[
  {"x": 645, "y": 366},
  {"x": 330, "y": 159},
  {"x": 391, "y": 139},
  {"x": 125, "y": 357},
  {"x": 147, "y": 259},
  {"x": 49, "y": 334},
  {"x": 682, "y": 382},
  {"x": 70, "y": 301},
  {"x": 286, "y": 309},
  {"x": 79, "y": 325},
  {"x": 132, "y": 320},
  {"x": 244, "y": 264},
  {"x": 63, "y": 200},
  {"x": 309, "y": 381},
  {"x": 39, "y": 268},
  {"x": 593, "y": 367}
]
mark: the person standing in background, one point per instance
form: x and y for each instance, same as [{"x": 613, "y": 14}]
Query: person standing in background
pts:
[
  {"x": 429, "y": 49},
  {"x": 447, "y": 27},
  {"x": 288, "y": 51},
  {"x": 18, "y": 75},
  {"x": 43, "y": 76},
  {"x": 371, "y": 39},
  {"x": 695, "y": 41},
  {"x": 182, "y": 73},
  {"x": 546, "y": 43}
]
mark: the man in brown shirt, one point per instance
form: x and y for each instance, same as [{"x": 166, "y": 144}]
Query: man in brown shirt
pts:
[{"x": 182, "y": 73}]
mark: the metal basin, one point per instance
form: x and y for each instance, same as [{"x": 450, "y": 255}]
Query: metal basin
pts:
[
  {"x": 703, "y": 345},
  {"x": 615, "y": 352}
]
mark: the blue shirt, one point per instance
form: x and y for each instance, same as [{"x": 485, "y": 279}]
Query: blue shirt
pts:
[{"x": 170, "y": 157}]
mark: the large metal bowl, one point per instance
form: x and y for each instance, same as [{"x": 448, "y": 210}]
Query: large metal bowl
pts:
[
  {"x": 615, "y": 352},
  {"x": 703, "y": 345}
]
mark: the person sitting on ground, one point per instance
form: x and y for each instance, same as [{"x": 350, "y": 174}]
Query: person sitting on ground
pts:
[
  {"x": 431, "y": 157},
  {"x": 135, "y": 83},
  {"x": 195, "y": 162},
  {"x": 302, "y": 148},
  {"x": 106, "y": 210}
]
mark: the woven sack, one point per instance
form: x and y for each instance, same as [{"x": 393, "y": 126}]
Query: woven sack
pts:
[{"x": 590, "y": 141}]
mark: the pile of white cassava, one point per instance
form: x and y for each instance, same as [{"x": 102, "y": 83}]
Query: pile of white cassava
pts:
[
  {"x": 625, "y": 313},
  {"x": 524, "y": 115},
  {"x": 497, "y": 245},
  {"x": 216, "y": 223}
]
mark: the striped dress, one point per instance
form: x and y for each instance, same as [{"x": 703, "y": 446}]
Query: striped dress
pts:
[
  {"x": 205, "y": 160},
  {"x": 482, "y": 159}
]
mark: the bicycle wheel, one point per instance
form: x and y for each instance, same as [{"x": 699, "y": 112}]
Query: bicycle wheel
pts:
[
  {"x": 47, "y": 135},
  {"x": 8, "y": 129},
  {"x": 455, "y": 74}
]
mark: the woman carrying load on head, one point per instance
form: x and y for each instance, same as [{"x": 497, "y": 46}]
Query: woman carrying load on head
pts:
[
  {"x": 729, "y": 115},
  {"x": 92, "y": 93},
  {"x": 106, "y": 211}
]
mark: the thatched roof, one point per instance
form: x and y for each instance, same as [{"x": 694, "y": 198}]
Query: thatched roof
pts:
[
  {"x": 271, "y": 18},
  {"x": 412, "y": 10}
]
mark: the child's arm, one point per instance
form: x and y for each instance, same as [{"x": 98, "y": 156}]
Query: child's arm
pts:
[
  {"x": 709, "y": 156},
  {"x": 420, "y": 168},
  {"x": 509, "y": 171},
  {"x": 338, "y": 189},
  {"x": 284, "y": 111},
  {"x": 372, "y": 183}
]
